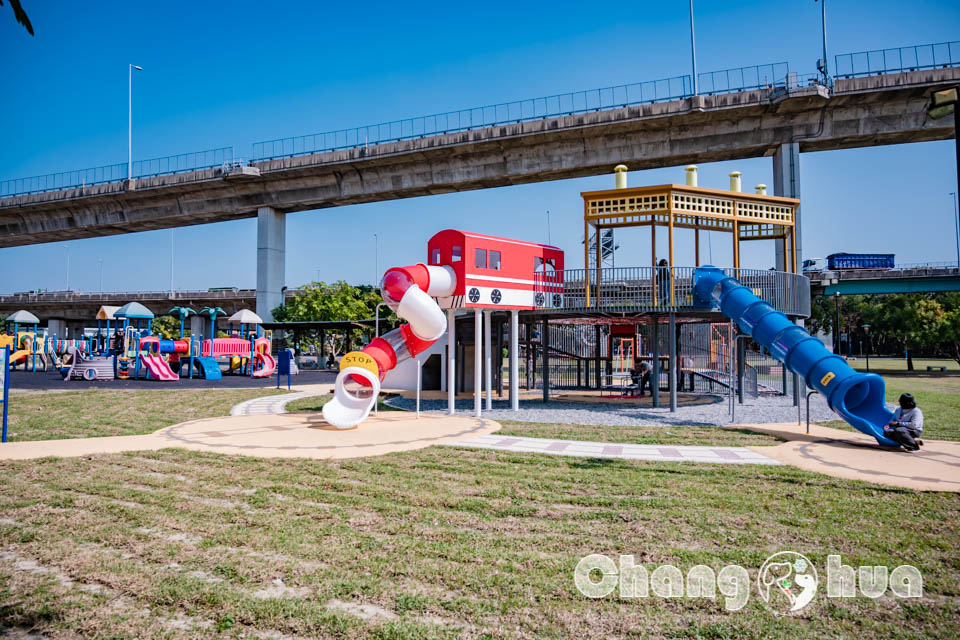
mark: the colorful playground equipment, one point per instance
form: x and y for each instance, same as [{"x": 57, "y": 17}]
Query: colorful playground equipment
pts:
[
  {"x": 496, "y": 274},
  {"x": 26, "y": 347},
  {"x": 856, "y": 397},
  {"x": 89, "y": 368}
]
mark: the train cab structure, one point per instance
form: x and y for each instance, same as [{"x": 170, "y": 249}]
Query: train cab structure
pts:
[{"x": 498, "y": 273}]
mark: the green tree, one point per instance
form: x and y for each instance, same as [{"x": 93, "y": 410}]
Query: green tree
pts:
[
  {"x": 337, "y": 301},
  {"x": 949, "y": 342},
  {"x": 165, "y": 327}
]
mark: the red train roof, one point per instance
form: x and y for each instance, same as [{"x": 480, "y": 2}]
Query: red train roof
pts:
[{"x": 483, "y": 236}]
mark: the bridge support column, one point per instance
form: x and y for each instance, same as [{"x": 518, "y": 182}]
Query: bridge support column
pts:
[
  {"x": 786, "y": 183},
  {"x": 57, "y": 328},
  {"x": 198, "y": 327},
  {"x": 271, "y": 258}
]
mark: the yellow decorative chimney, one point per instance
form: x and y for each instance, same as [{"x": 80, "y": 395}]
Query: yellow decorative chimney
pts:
[
  {"x": 621, "y": 172},
  {"x": 735, "y": 181},
  {"x": 691, "y": 175}
]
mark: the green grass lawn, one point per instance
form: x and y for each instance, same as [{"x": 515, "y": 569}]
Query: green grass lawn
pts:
[
  {"x": 897, "y": 365},
  {"x": 937, "y": 396},
  {"x": 114, "y": 412},
  {"x": 441, "y": 543}
]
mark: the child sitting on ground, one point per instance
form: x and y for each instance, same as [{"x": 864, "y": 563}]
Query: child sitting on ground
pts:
[{"x": 907, "y": 426}]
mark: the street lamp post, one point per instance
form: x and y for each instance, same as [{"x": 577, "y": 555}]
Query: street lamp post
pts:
[
  {"x": 836, "y": 328},
  {"x": 866, "y": 329},
  {"x": 130, "y": 119},
  {"x": 956, "y": 224},
  {"x": 67, "y": 247},
  {"x": 823, "y": 67},
  {"x": 100, "y": 264},
  {"x": 376, "y": 260},
  {"x": 693, "y": 53}
]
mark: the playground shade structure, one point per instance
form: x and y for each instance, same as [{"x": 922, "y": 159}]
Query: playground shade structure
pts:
[
  {"x": 409, "y": 292},
  {"x": 856, "y": 397}
]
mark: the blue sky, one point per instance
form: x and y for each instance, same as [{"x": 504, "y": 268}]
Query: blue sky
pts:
[{"x": 218, "y": 75}]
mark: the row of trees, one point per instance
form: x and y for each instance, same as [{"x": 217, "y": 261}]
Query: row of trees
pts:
[{"x": 920, "y": 324}]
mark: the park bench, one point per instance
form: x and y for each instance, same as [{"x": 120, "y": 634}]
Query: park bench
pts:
[{"x": 940, "y": 368}]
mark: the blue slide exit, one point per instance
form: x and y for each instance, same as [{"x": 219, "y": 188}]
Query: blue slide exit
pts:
[
  {"x": 209, "y": 368},
  {"x": 857, "y": 397}
]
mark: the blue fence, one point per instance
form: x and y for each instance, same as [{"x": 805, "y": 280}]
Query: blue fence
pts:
[
  {"x": 193, "y": 161},
  {"x": 921, "y": 56}
]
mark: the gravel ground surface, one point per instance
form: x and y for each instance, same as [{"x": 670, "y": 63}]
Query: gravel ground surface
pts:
[{"x": 759, "y": 411}]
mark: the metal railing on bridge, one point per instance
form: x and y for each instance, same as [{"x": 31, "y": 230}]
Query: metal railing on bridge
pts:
[
  {"x": 506, "y": 113},
  {"x": 660, "y": 289},
  {"x": 774, "y": 77},
  {"x": 897, "y": 60},
  {"x": 79, "y": 178}
]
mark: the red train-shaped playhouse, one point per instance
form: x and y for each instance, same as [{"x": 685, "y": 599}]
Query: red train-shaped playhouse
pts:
[{"x": 498, "y": 273}]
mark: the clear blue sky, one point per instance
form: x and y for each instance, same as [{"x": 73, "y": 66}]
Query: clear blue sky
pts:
[{"x": 232, "y": 74}]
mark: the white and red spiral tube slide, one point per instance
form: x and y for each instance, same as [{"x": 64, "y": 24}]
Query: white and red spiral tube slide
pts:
[{"x": 409, "y": 292}]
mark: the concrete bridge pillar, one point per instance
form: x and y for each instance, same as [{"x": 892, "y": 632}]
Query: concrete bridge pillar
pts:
[
  {"x": 786, "y": 183},
  {"x": 57, "y": 328},
  {"x": 271, "y": 258},
  {"x": 199, "y": 326}
]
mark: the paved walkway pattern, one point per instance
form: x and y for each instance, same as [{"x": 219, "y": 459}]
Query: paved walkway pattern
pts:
[
  {"x": 268, "y": 404},
  {"x": 587, "y": 449}
]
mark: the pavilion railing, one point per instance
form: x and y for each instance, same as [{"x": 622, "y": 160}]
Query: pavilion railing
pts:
[{"x": 660, "y": 289}]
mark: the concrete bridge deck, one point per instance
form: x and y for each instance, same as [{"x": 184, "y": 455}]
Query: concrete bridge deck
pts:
[{"x": 864, "y": 111}]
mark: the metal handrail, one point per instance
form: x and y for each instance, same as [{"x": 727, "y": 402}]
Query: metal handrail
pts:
[
  {"x": 898, "y": 59},
  {"x": 117, "y": 173},
  {"x": 558, "y": 105},
  {"x": 664, "y": 289},
  {"x": 775, "y": 76}
]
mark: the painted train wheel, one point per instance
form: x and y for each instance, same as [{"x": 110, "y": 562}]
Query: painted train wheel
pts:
[{"x": 89, "y": 375}]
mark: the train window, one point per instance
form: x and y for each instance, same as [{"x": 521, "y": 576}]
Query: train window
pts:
[
  {"x": 435, "y": 258},
  {"x": 544, "y": 265},
  {"x": 456, "y": 254},
  {"x": 495, "y": 260},
  {"x": 480, "y": 262}
]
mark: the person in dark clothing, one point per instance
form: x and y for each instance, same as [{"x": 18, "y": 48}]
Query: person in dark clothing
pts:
[
  {"x": 663, "y": 283},
  {"x": 641, "y": 376},
  {"x": 907, "y": 426}
]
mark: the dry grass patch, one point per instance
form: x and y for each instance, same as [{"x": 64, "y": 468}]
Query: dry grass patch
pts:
[
  {"x": 116, "y": 412},
  {"x": 440, "y": 543}
]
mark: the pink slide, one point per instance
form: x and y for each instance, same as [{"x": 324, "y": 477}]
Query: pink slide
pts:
[
  {"x": 267, "y": 365},
  {"x": 158, "y": 367}
]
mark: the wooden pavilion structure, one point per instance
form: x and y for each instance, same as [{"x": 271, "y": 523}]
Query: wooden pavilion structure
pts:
[{"x": 746, "y": 216}]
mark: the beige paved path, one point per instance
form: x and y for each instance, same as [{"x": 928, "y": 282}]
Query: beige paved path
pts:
[
  {"x": 855, "y": 456},
  {"x": 281, "y": 436}
]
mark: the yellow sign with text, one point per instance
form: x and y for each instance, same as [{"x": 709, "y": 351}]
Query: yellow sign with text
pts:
[
  {"x": 359, "y": 359},
  {"x": 827, "y": 377}
]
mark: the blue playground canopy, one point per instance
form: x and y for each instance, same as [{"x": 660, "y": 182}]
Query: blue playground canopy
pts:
[{"x": 133, "y": 310}]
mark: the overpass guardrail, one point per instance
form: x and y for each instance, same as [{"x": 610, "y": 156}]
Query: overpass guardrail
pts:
[
  {"x": 765, "y": 76},
  {"x": 166, "y": 165}
]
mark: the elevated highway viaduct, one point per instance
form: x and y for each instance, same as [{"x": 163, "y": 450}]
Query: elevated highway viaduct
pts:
[{"x": 776, "y": 122}]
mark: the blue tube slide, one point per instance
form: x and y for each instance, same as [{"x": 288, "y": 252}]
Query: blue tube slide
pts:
[{"x": 856, "y": 397}]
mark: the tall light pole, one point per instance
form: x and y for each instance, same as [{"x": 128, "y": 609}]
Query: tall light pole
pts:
[
  {"x": 376, "y": 260},
  {"x": 171, "y": 261},
  {"x": 866, "y": 329},
  {"x": 549, "y": 236},
  {"x": 67, "y": 247},
  {"x": 100, "y": 264},
  {"x": 693, "y": 53},
  {"x": 956, "y": 224},
  {"x": 823, "y": 67},
  {"x": 130, "y": 119}
]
